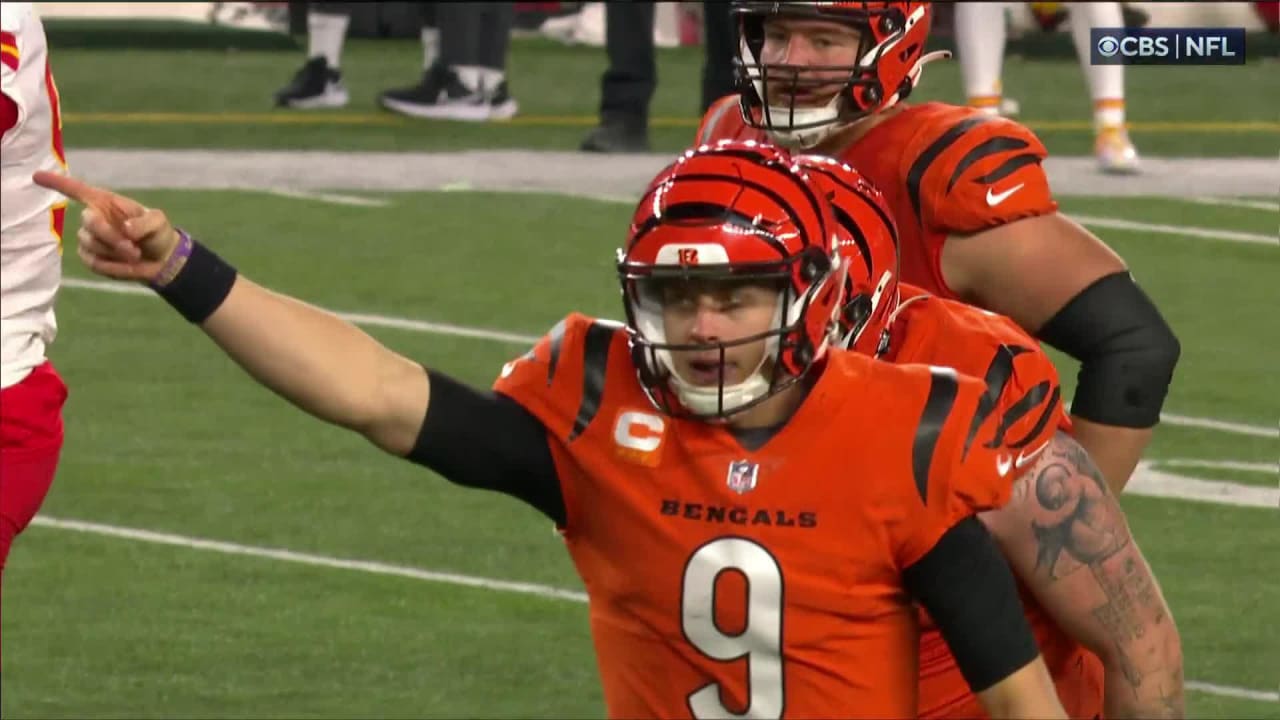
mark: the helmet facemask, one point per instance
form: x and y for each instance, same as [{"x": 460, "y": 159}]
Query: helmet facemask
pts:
[{"x": 787, "y": 356}]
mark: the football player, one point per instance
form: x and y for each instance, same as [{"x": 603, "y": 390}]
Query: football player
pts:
[
  {"x": 31, "y": 392},
  {"x": 980, "y": 40},
  {"x": 969, "y": 195},
  {"x": 1102, "y": 625},
  {"x": 750, "y": 511}
]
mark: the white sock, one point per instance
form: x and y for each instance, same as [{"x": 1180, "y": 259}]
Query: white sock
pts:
[
  {"x": 430, "y": 46},
  {"x": 1106, "y": 82},
  {"x": 980, "y": 38},
  {"x": 470, "y": 76},
  {"x": 325, "y": 36},
  {"x": 491, "y": 78}
]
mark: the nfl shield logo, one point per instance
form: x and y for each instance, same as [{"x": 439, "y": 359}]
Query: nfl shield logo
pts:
[{"x": 742, "y": 476}]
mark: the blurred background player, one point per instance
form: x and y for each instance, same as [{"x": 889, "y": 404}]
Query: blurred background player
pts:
[
  {"x": 31, "y": 393},
  {"x": 627, "y": 86},
  {"x": 980, "y": 31},
  {"x": 464, "y": 59}
]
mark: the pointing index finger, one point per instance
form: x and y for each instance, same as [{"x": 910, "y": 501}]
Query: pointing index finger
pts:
[
  {"x": 77, "y": 190},
  {"x": 115, "y": 208}
]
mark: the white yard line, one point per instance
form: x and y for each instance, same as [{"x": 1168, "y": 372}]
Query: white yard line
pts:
[
  {"x": 1235, "y": 202},
  {"x": 435, "y": 328},
  {"x": 1236, "y": 692},
  {"x": 377, "y": 568},
  {"x": 330, "y": 198},
  {"x": 1238, "y": 465},
  {"x": 1179, "y": 230},
  {"x": 366, "y": 319},
  {"x": 1149, "y": 482},
  {"x": 1234, "y": 428}
]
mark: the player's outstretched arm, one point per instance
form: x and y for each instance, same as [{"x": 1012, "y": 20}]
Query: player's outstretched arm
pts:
[
  {"x": 320, "y": 363},
  {"x": 970, "y": 593},
  {"x": 1067, "y": 539}
]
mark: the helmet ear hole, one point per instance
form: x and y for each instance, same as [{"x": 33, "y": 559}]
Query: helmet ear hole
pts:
[
  {"x": 889, "y": 23},
  {"x": 871, "y": 95},
  {"x": 904, "y": 90}
]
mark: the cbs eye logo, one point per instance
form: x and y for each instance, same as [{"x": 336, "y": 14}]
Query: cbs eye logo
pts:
[{"x": 1108, "y": 47}]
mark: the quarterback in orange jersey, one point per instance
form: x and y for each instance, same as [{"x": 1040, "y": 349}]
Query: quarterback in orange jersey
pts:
[
  {"x": 969, "y": 194},
  {"x": 31, "y": 391},
  {"x": 751, "y": 511},
  {"x": 1075, "y": 615}
]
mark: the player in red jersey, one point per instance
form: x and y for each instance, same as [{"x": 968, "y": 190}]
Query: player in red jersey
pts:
[
  {"x": 743, "y": 553},
  {"x": 1089, "y": 595},
  {"x": 31, "y": 391},
  {"x": 973, "y": 206}
]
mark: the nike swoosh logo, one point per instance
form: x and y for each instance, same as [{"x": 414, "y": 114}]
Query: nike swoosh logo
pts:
[
  {"x": 993, "y": 199},
  {"x": 1024, "y": 458}
]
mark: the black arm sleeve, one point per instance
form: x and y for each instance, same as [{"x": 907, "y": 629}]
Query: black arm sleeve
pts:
[
  {"x": 1127, "y": 352},
  {"x": 484, "y": 440},
  {"x": 969, "y": 591}
]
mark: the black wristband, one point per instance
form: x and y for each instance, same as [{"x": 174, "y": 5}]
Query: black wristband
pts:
[{"x": 199, "y": 283}]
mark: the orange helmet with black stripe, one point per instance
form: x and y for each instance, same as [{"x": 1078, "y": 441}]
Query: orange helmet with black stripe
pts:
[
  {"x": 868, "y": 244},
  {"x": 732, "y": 212}
]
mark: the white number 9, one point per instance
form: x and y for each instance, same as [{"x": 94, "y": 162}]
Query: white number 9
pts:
[{"x": 760, "y": 641}]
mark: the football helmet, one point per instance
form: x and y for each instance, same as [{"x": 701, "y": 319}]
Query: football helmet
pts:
[
  {"x": 891, "y": 58},
  {"x": 733, "y": 211},
  {"x": 868, "y": 246}
]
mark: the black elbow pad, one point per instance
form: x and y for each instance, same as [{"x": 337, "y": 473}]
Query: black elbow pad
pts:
[{"x": 1127, "y": 352}]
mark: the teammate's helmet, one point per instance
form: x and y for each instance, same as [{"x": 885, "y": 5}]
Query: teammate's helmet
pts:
[
  {"x": 868, "y": 246},
  {"x": 890, "y": 59},
  {"x": 733, "y": 211}
]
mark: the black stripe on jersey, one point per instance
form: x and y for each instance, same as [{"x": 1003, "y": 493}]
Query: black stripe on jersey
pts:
[
  {"x": 998, "y": 374},
  {"x": 986, "y": 149},
  {"x": 1049, "y": 411},
  {"x": 594, "y": 364},
  {"x": 942, "y": 395},
  {"x": 1010, "y": 166},
  {"x": 1025, "y": 404},
  {"x": 556, "y": 337},
  {"x": 916, "y": 174}
]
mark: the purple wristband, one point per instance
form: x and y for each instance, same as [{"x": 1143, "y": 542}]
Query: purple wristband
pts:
[{"x": 177, "y": 260}]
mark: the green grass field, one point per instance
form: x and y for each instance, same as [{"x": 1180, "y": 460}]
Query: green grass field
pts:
[
  {"x": 225, "y": 97},
  {"x": 206, "y": 577}
]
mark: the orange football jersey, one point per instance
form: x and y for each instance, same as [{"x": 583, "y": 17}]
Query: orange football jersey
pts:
[
  {"x": 944, "y": 169},
  {"x": 1023, "y": 390},
  {"x": 725, "y": 580}
]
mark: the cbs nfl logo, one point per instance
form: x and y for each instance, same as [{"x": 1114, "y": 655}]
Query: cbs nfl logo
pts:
[{"x": 1167, "y": 46}]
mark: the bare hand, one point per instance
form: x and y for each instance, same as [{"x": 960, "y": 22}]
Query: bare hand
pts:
[{"x": 119, "y": 237}]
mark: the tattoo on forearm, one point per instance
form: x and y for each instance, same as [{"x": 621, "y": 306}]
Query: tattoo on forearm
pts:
[
  {"x": 1071, "y": 489},
  {"x": 1079, "y": 526}
]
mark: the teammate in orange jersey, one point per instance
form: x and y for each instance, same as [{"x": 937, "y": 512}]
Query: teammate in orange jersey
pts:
[
  {"x": 1087, "y": 591},
  {"x": 750, "y": 511},
  {"x": 970, "y": 197},
  {"x": 31, "y": 392}
]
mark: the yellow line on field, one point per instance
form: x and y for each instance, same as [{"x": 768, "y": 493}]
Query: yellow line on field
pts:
[{"x": 313, "y": 118}]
